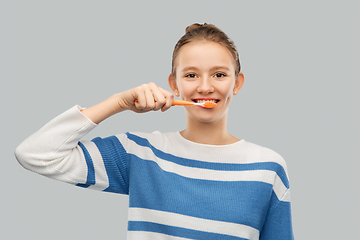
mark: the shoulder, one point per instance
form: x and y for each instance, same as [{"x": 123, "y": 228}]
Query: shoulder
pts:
[
  {"x": 263, "y": 154},
  {"x": 270, "y": 160}
]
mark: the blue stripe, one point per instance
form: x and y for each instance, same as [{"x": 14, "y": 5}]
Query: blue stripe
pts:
[
  {"x": 271, "y": 166},
  {"x": 115, "y": 161},
  {"x": 90, "y": 165},
  {"x": 242, "y": 202},
  {"x": 278, "y": 223},
  {"x": 178, "y": 232}
]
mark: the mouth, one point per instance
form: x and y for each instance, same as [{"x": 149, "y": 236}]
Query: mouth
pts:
[{"x": 202, "y": 100}]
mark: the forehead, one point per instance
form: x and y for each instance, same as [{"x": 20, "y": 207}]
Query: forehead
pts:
[{"x": 204, "y": 55}]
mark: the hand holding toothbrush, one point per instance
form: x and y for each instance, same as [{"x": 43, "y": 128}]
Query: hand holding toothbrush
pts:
[{"x": 144, "y": 98}]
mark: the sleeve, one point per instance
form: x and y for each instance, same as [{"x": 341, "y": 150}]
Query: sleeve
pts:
[
  {"x": 55, "y": 151},
  {"x": 278, "y": 222}
]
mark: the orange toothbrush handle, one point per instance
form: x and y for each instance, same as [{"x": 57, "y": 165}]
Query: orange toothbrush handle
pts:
[
  {"x": 181, "y": 103},
  {"x": 178, "y": 102}
]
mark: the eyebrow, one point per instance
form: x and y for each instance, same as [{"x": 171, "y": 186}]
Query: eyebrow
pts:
[
  {"x": 211, "y": 69},
  {"x": 189, "y": 68}
]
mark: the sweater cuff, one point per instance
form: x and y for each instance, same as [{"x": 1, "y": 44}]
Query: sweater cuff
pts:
[{"x": 79, "y": 108}]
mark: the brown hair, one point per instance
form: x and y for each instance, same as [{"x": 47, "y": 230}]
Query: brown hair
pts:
[{"x": 206, "y": 32}]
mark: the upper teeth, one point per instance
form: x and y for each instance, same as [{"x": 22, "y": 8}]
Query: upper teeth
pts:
[{"x": 202, "y": 101}]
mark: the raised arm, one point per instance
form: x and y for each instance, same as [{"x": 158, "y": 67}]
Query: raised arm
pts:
[{"x": 54, "y": 150}]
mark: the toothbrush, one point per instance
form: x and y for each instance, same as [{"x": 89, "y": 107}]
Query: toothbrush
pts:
[{"x": 205, "y": 104}]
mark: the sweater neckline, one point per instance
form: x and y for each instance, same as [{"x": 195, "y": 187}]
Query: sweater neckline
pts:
[{"x": 186, "y": 141}]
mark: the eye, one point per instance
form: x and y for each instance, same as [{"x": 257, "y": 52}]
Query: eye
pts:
[
  {"x": 190, "y": 75},
  {"x": 220, "y": 75}
]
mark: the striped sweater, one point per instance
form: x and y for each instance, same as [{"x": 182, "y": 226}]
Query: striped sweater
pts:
[{"x": 177, "y": 189}]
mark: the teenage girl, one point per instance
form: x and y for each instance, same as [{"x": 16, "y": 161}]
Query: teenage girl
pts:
[{"x": 198, "y": 183}]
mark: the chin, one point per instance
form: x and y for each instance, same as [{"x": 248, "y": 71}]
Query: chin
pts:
[{"x": 207, "y": 118}]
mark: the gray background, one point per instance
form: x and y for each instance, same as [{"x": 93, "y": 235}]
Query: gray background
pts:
[{"x": 300, "y": 98}]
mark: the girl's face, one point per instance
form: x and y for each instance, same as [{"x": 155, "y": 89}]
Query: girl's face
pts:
[{"x": 205, "y": 71}]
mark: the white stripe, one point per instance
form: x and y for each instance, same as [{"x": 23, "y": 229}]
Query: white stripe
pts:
[
  {"x": 244, "y": 152},
  {"x": 188, "y": 222},
  {"x": 286, "y": 197},
  {"x": 101, "y": 177},
  {"x": 280, "y": 189},
  {"x": 140, "y": 235}
]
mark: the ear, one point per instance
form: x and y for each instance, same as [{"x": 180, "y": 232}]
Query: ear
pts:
[
  {"x": 173, "y": 85},
  {"x": 239, "y": 82}
]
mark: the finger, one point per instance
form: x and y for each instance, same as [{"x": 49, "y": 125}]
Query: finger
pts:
[
  {"x": 169, "y": 97},
  {"x": 150, "y": 102},
  {"x": 140, "y": 97},
  {"x": 159, "y": 97}
]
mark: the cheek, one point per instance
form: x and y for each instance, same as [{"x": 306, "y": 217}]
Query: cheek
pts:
[
  {"x": 186, "y": 89},
  {"x": 227, "y": 90}
]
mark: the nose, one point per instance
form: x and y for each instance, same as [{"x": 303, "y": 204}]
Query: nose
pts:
[{"x": 205, "y": 86}]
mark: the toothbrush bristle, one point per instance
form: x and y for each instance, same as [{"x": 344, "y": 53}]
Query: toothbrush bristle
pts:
[{"x": 209, "y": 104}]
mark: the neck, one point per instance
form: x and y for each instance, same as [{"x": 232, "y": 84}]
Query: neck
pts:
[{"x": 214, "y": 133}]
